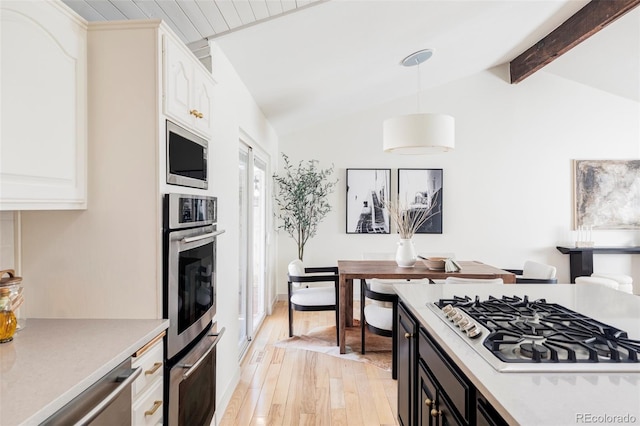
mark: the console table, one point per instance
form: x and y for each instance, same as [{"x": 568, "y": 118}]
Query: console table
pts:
[{"x": 581, "y": 258}]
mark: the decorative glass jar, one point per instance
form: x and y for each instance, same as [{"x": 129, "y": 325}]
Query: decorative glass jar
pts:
[
  {"x": 11, "y": 295},
  {"x": 8, "y": 321}
]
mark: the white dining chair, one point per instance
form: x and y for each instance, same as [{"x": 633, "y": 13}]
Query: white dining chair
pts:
[
  {"x": 304, "y": 297},
  {"x": 535, "y": 273},
  {"x": 458, "y": 280},
  {"x": 379, "y": 314}
]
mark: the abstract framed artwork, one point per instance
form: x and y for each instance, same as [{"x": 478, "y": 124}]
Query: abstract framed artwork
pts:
[
  {"x": 367, "y": 191},
  {"x": 419, "y": 190},
  {"x": 607, "y": 194}
]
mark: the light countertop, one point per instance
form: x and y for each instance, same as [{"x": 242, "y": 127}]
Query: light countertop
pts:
[
  {"x": 541, "y": 398},
  {"x": 52, "y": 361}
]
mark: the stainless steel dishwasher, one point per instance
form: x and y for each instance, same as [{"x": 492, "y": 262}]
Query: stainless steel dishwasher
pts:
[{"x": 106, "y": 402}]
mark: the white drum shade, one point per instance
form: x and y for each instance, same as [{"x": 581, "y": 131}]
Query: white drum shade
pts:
[{"x": 419, "y": 134}]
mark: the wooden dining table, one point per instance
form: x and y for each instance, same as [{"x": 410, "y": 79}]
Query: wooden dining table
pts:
[{"x": 348, "y": 270}]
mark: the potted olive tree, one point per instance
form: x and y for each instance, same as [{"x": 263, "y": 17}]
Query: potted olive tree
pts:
[{"x": 302, "y": 198}]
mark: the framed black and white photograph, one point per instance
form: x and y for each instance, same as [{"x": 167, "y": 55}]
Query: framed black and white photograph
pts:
[
  {"x": 367, "y": 191},
  {"x": 420, "y": 190},
  {"x": 606, "y": 194}
]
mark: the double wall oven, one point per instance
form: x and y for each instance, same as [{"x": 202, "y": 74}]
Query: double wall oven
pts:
[{"x": 189, "y": 302}]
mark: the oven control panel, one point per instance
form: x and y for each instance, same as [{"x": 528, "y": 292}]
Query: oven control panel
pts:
[{"x": 186, "y": 211}]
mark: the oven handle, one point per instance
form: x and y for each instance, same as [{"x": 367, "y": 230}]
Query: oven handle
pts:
[
  {"x": 102, "y": 405},
  {"x": 193, "y": 367},
  {"x": 202, "y": 237}
]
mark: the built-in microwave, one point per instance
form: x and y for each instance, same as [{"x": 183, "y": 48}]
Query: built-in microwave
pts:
[{"x": 186, "y": 158}]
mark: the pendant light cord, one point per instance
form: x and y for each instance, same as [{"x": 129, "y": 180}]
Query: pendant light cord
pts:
[{"x": 419, "y": 87}]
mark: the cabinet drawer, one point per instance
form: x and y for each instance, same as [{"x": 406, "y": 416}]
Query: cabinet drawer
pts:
[
  {"x": 148, "y": 409},
  {"x": 151, "y": 363},
  {"x": 450, "y": 381}
]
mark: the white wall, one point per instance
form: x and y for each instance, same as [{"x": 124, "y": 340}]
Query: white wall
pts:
[
  {"x": 507, "y": 185},
  {"x": 7, "y": 241},
  {"x": 236, "y": 112}
]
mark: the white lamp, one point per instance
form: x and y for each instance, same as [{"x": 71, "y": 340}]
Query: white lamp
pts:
[{"x": 419, "y": 133}]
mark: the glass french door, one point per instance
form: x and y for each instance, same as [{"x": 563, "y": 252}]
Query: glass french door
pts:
[{"x": 253, "y": 243}]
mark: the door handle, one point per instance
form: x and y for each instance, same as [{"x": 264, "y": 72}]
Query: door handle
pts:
[{"x": 193, "y": 367}]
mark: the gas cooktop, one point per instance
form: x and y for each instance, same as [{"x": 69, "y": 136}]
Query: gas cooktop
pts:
[{"x": 517, "y": 334}]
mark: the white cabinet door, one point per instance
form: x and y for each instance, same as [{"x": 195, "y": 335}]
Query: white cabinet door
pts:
[
  {"x": 187, "y": 89},
  {"x": 43, "y": 135},
  {"x": 178, "y": 83},
  {"x": 202, "y": 99}
]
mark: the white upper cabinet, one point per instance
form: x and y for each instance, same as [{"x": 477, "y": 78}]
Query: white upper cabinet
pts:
[
  {"x": 43, "y": 136},
  {"x": 188, "y": 89}
]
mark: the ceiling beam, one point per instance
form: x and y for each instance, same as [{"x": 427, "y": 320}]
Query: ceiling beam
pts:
[{"x": 593, "y": 17}]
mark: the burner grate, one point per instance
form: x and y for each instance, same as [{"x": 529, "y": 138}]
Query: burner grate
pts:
[{"x": 526, "y": 331}]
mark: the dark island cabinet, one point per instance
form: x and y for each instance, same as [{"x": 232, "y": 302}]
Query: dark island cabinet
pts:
[
  {"x": 435, "y": 408},
  {"x": 431, "y": 388},
  {"x": 406, "y": 353}
]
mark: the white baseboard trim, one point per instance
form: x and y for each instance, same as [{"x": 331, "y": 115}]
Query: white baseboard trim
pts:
[{"x": 223, "y": 402}]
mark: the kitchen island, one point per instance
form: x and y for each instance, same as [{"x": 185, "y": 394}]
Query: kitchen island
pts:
[
  {"x": 52, "y": 361},
  {"x": 556, "y": 395}
]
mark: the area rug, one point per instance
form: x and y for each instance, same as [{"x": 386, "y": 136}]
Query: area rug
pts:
[{"x": 323, "y": 339}]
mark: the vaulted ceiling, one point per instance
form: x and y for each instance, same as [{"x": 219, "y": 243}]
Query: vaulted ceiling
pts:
[
  {"x": 309, "y": 61},
  {"x": 191, "y": 20}
]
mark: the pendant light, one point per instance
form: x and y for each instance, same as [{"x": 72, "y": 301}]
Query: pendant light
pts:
[{"x": 419, "y": 133}]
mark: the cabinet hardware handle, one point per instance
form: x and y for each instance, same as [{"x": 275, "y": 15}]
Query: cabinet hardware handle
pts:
[
  {"x": 155, "y": 367},
  {"x": 149, "y": 345},
  {"x": 156, "y": 405},
  {"x": 408, "y": 335},
  {"x": 436, "y": 413},
  {"x": 428, "y": 402},
  {"x": 196, "y": 113}
]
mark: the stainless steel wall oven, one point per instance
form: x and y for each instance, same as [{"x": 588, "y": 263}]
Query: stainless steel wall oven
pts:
[
  {"x": 192, "y": 383},
  {"x": 189, "y": 302}
]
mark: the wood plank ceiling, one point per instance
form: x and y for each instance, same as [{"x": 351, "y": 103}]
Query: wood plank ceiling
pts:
[{"x": 192, "y": 20}]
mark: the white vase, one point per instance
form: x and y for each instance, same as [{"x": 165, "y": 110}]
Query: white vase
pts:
[{"x": 406, "y": 254}]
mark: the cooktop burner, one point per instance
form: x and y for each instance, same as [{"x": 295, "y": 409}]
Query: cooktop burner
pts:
[{"x": 516, "y": 330}]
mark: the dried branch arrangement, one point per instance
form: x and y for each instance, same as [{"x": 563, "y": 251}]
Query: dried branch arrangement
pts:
[{"x": 408, "y": 220}]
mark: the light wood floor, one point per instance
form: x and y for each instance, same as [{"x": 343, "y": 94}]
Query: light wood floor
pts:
[{"x": 290, "y": 386}]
